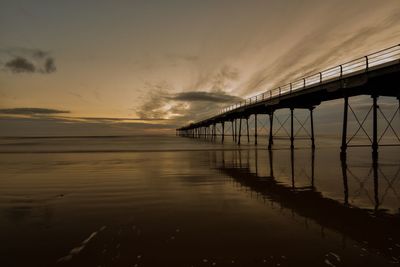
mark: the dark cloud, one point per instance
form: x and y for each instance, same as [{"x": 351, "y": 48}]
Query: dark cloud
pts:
[
  {"x": 25, "y": 60},
  {"x": 49, "y": 65},
  {"x": 39, "y": 53},
  {"x": 32, "y": 111},
  {"x": 19, "y": 65},
  {"x": 219, "y": 97}
]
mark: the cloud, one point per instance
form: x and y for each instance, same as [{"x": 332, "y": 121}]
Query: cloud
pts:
[
  {"x": 219, "y": 97},
  {"x": 32, "y": 111},
  {"x": 50, "y": 114},
  {"x": 49, "y": 65},
  {"x": 184, "y": 106},
  {"x": 189, "y": 58},
  {"x": 47, "y": 122},
  {"x": 219, "y": 80},
  {"x": 25, "y": 60},
  {"x": 154, "y": 105},
  {"x": 20, "y": 64},
  {"x": 108, "y": 119},
  {"x": 193, "y": 103},
  {"x": 56, "y": 126}
]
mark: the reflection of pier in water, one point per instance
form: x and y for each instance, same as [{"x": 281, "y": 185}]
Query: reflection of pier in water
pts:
[{"x": 374, "y": 228}]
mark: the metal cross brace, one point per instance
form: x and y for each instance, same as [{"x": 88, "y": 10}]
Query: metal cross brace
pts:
[
  {"x": 302, "y": 126},
  {"x": 389, "y": 123},
  {"x": 282, "y": 125},
  {"x": 361, "y": 124}
]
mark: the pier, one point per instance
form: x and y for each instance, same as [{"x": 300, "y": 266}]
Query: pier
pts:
[{"x": 375, "y": 75}]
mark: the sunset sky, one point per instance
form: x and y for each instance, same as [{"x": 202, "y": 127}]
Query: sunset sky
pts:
[{"x": 123, "y": 67}]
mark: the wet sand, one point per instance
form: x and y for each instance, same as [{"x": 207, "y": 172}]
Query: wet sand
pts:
[{"x": 173, "y": 201}]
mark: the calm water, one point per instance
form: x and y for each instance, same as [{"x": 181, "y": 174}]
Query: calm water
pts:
[{"x": 170, "y": 201}]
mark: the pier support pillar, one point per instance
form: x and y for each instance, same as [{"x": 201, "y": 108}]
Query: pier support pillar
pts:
[
  {"x": 271, "y": 165},
  {"x": 375, "y": 127},
  {"x": 291, "y": 129},
  {"x": 255, "y": 129},
  {"x": 233, "y": 131},
  {"x": 345, "y": 182},
  {"x": 214, "y": 132},
  {"x": 292, "y": 167},
  {"x": 271, "y": 123},
  {"x": 240, "y": 130},
  {"x": 223, "y": 131},
  {"x": 376, "y": 184},
  {"x": 236, "y": 130},
  {"x": 343, "y": 148},
  {"x": 312, "y": 128},
  {"x": 312, "y": 167},
  {"x": 248, "y": 131}
]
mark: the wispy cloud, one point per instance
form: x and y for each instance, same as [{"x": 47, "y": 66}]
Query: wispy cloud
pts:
[
  {"x": 153, "y": 106},
  {"x": 319, "y": 49},
  {"x": 184, "y": 106},
  {"x": 110, "y": 119},
  {"x": 219, "y": 80},
  {"x": 187, "y": 57},
  {"x": 218, "y": 97}
]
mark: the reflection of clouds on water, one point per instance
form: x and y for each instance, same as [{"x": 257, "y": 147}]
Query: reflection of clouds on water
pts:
[
  {"x": 25, "y": 210},
  {"x": 18, "y": 214}
]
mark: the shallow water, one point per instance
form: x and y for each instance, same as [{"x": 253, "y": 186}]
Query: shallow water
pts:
[{"x": 170, "y": 201}]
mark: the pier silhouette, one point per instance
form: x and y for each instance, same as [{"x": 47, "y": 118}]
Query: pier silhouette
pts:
[{"x": 375, "y": 75}]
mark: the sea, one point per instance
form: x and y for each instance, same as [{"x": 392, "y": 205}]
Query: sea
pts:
[{"x": 166, "y": 200}]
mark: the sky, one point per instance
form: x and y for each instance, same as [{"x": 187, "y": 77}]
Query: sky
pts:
[{"x": 131, "y": 67}]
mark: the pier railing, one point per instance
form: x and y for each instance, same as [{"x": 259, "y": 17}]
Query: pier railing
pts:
[{"x": 359, "y": 65}]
